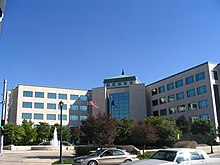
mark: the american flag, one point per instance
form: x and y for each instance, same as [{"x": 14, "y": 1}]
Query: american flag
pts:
[{"x": 91, "y": 103}]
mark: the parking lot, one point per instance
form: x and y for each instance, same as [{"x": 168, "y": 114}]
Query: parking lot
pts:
[{"x": 32, "y": 157}]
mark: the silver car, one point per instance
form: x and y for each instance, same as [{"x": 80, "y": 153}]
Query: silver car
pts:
[
  {"x": 110, "y": 156},
  {"x": 178, "y": 156}
]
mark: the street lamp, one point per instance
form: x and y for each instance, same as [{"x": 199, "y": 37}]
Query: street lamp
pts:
[{"x": 61, "y": 138}]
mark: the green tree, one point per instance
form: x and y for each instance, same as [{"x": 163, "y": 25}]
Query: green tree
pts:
[
  {"x": 166, "y": 130},
  {"x": 74, "y": 134},
  {"x": 13, "y": 134},
  {"x": 124, "y": 131},
  {"x": 30, "y": 132},
  {"x": 184, "y": 125},
  {"x": 43, "y": 132},
  {"x": 65, "y": 132}
]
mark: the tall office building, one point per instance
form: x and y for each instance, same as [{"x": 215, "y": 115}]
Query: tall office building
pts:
[{"x": 2, "y": 12}]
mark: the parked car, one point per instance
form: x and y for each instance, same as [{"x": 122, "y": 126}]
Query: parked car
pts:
[
  {"x": 178, "y": 156},
  {"x": 110, "y": 156}
]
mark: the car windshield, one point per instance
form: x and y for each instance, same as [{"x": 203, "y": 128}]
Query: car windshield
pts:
[
  {"x": 97, "y": 152},
  {"x": 164, "y": 155}
]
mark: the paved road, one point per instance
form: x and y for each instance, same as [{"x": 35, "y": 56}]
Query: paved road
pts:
[{"x": 32, "y": 157}]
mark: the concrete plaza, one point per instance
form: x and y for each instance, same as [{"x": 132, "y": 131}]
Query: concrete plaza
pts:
[{"x": 32, "y": 157}]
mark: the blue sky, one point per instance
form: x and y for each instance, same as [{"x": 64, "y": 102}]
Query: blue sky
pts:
[{"x": 78, "y": 43}]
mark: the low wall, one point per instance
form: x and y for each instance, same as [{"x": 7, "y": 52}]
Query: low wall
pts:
[{"x": 25, "y": 148}]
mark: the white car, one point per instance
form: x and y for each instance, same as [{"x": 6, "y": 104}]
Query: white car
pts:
[{"x": 178, "y": 156}]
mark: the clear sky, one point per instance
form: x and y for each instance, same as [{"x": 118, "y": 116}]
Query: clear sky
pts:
[{"x": 78, "y": 43}]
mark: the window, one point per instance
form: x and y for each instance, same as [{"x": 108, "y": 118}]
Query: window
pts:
[
  {"x": 125, "y": 83},
  {"x": 161, "y": 89},
  {"x": 163, "y": 112},
  {"x": 39, "y": 94},
  {"x": 39, "y": 105},
  {"x": 38, "y": 116},
  {"x": 201, "y": 90},
  {"x": 204, "y": 116},
  {"x": 27, "y": 104},
  {"x": 203, "y": 104},
  {"x": 179, "y": 83},
  {"x": 83, "y": 98},
  {"x": 214, "y": 75},
  {"x": 171, "y": 98},
  {"x": 51, "y": 117},
  {"x": 193, "y": 118},
  {"x": 155, "y": 113},
  {"x": 191, "y": 93},
  {"x": 181, "y": 108},
  {"x": 64, "y": 117},
  {"x": 83, "y": 108},
  {"x": 154, "y": 91},
  {"x": 200, "y": 76},
  {"x": 113, "y": 84},
  {"x": 155, "y": 102},
  {"x": 180, "y": 96},
  {"x": 170, "y": 86},
  {"x": 119, "y": 84},
  {"x": 83, "y": 118},
  {"x": 192, "y": 106},
  {"x": 51, "y": 106},
  {"x": 73, "y": 107},
  {"x": 62, "y": 96},
  {"x": 52, "y": 95},
  {"x": 74, "y": 118},
  {"x": 131, "y": 82},
  {"x": 196, "y": 156},
  {"x": 190, "y": 80},
  {"x": 74, "y": 97},
  {"x": 27, "y": 93},
  {"x": 26, "y": 116},
  {"x": 162, "y": 100},
  {"x": 172, "y": 110},
  {"x": 63, "y": 108}
]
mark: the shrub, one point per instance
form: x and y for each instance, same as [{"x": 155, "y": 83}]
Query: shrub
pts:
[
  {"x": 186, "y": 144},
  {"x": 84, "y": 150}
]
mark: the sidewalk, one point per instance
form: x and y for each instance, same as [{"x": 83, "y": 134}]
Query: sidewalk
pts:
[{"x": 32, "y": 157}]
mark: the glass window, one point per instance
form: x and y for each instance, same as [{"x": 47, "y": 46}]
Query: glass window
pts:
[
  {"x": 193, "y": 118},
  {"x": 125, "y": 83},
  {"x": 171, "y": 98},
  {"x": 190, "y": 80},
  {"x": 201, "y": 90},
  {"x": 170, "y": 86},
  {"x": 161, "y": 89},
  {"x": 119, "y": 84},
  {"x": 39, "y": 94},
  {"x": 51, "y": 117},
  {"x": 204, "y": 116},
  {"x": 154, "y": 91},
  {"x": 162, "y": 100},
  {"x": 113, "y": 84},
  {"x": 27, "y": 104},
  {"x": 62, "y": 96},
  {"x": 38, "y": 116},
  {"x": 27, "y": 93},
  {"x": 200, "y": 76},
  {"x": 155, "y": 102},
  {"x": 74, "y": 97},
  {"x": 180, "y": 96},
  {"x": 163, "y": 112},
  {"x": 74, "y": 118},
  {"x": 191, "y": 93},
  {"x": 63, "y": 108},
  {"x": 83, "y": 98},
  {"x": 83, "y": 118},
  {"x": 39, "y": 105},
  {"x": 64, "y": 117},
  {"x": 179, "y": 83},
  {"x": 203, "y": 104},
  {"x": 26, "y": 116},
  {"x": 155, "y": 113},
  {"x": 51, "y": 106},
  {"x": 192, "y": 106},
  {"x": 172, "y": 110},
  {"x": 83, "y": 108},
  {"x": 51, "y": 95},
  {"x": 214, "y": 75},
  {"x": 131, "y": 82},
  {"x": 181, "y": 108},
  {"x": 73, "y": 107}
]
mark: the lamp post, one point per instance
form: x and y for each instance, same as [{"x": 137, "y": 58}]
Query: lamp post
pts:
[{"x": 61, "y": 125}]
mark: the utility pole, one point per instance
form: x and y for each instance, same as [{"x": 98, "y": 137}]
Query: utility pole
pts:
[{"x": 3, "y": 116}]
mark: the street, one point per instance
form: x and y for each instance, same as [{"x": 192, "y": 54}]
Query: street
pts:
[{"x": 32, "y": 157}]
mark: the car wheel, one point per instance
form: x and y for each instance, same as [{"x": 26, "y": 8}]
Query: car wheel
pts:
[
  {"x": 92, "y": 162},
  {"x": 128, "y": 160}
]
